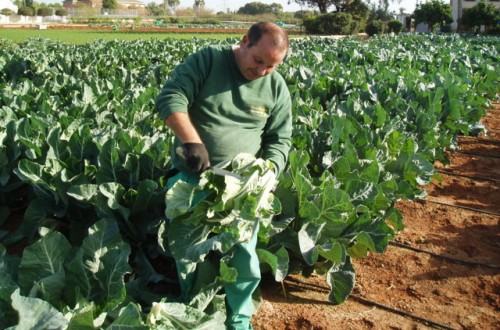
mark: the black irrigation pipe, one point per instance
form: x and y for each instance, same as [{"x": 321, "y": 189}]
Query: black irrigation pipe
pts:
[
  {"x": 483, "y": 140},
  {"x": 476, "y": 155},
  {"x": 428, "y": 322},
  {"x": 443, "y": 256},
  {"x": 368, "y": 302},
  {"x": 463, "y": 207},
  {"x": 472, "y": 177}
]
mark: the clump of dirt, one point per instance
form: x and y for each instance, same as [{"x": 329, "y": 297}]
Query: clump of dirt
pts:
[{"x": 442, "y": 271}]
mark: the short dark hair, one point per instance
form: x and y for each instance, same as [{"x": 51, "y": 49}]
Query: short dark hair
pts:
[{"x": 257, "y": 30}]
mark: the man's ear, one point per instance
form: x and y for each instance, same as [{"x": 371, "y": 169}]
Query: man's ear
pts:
[{"x": 244, "y": 41}]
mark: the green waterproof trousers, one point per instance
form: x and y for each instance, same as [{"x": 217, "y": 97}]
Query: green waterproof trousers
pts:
[{"x": 239, "y": 304}]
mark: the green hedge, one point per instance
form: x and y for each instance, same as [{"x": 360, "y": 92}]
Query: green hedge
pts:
[{"x": 331, "y": 23}]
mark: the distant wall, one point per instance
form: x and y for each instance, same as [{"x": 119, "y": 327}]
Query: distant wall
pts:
[{"x": 18, "y": 19}]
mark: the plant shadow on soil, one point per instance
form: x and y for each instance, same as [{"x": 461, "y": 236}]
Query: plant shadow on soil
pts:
[{"x": 447, "y": 293}]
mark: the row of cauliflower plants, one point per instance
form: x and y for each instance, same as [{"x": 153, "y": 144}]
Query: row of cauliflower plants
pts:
[{"x": 83, "y": 158}]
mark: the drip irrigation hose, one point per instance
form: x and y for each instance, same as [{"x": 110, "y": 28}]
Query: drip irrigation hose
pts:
[
  {"x": 472, "y": 177},
  {"x": 443, "y": 256},
  {"x": 463, "y": 207},
  {"x": 475, "y": 155},
  {"x": 369, "y": 302},
  {"x": 428, "y": 322},
  {"x": 482, "y": 140}
]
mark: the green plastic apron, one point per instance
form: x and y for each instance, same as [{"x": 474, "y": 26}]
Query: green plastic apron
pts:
[{"x": 239, "y": 304}]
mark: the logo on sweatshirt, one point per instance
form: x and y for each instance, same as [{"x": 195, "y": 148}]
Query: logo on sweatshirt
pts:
[{"x": 259, "y": 111}]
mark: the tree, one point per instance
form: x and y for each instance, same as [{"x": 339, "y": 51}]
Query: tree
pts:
[
  {"x": 304, "y": 13},
  {"x": 61, "y": 12},
  {"x": 338, "y": 5},
  {"x": 330, "y": 23},
  {"x": 23, "y": 4},
  {"x": 380, "y": 14},
  {"x": 6, "y": 12},
  {"x": 276, "y": 8},
  {"x": 480, "y": 14},
  {"x": 433, "y": 13},
  {"x": 395, "y": 26},
  {"x": 199, "y": 6},
  {"x": 199, "y": 3},
  {"x": 45, "y": 11},
  {"x": 55, "y": 5},
  {"x": 174, "y": 3},
  {"x": 109, "y": 4},
  {"x": 359, "y": 11},
  {"x": 259, "y": 8},
  {"x": 166, "y": 7},
  {"x": 154, "y": 9},
  {"x": 25, "y": 11},
  {"x": 321, "y": 4},
  {"x": 375, "y": 27}
]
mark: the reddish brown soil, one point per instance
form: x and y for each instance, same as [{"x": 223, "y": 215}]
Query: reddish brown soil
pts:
[
  {"x": 404, "y": 288},
  {"x": 135, "y": 28},
  {"x": 150, "y": 29}
]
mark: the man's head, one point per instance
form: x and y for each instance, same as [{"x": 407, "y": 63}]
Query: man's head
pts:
[{"x": 261, "y": 50}]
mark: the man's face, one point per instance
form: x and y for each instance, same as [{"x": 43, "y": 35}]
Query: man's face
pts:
[{"x": 260, "y": 59}]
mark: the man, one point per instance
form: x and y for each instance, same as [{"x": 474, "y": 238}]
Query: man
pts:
[{"x": 222, "y": 101}]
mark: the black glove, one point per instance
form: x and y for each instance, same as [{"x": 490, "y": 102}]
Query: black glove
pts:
[{"x": 196, "y": 156}]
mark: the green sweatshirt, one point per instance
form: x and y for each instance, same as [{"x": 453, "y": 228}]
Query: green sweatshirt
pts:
[{"x": 230, "y": 113}]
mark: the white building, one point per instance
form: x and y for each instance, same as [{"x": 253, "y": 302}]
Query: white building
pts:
[
  {"x": 405, "y": 19},
  {"x": 131, "y": 3},
  {"x": 458, "y": 6}
]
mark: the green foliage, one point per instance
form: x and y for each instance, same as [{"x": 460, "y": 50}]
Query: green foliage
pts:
[
  {"x": 375, "y": 27},
  {"x": 109, "y": 4},
  {"x": 302, "y": 14},
  {"x": 332, "y": 23},
  {"x": 199, "y": 3},
  {"x": 259, "y": 8},
  {"x": 6, "y": 12},
  {"x": 154, "y": 9},
  {"x": 380, "y": 14},
  {"x": 174, "y": 3},
  {"x": 395, "y": 26},
  {"x": 83, "y": 155},
  {"x": 360, "y": 14},
  {"x": 311, "y": 25},
  {"x": 323, "y": 5},
  {"x": 221, "y": 211},
  {"x": 61, "y": 12},
  {"x": 45, "y": 11},
  {"x": 434, "y": 12},
  {"x": 481, "y": 14},
  {"x": 25, "y": 11},
  {"x": 445, "y": 28}
]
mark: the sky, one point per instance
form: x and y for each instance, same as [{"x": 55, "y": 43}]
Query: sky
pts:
[{"x": 234, "y": 5}]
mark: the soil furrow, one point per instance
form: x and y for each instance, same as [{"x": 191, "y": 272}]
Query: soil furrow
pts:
[{"x": 450, "y": 294}]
